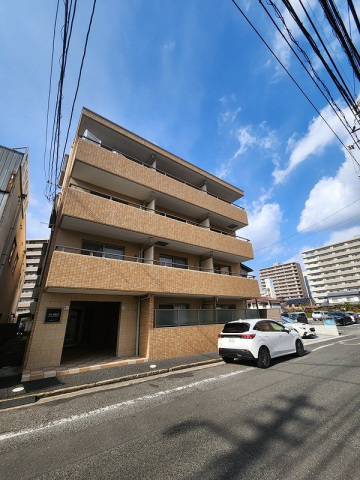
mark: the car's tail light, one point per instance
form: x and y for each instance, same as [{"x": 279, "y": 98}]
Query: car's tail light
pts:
[{"x": 248, "y": 336}]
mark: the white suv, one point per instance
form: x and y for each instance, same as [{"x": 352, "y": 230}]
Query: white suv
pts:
[
  {"x": 319, "y": 315},
  {"x": 259, "y": 340}
]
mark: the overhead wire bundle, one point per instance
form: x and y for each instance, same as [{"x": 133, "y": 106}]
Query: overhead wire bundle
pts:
[
  {"x": 52, "y": 163},
  {"x": 319, "y": 48}
]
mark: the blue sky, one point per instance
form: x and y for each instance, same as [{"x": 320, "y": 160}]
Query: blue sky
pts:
[{"x": 192, "y": 77}]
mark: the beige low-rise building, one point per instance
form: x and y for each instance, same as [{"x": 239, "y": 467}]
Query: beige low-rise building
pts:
[
  {"x": 144, "y": 259},
  {"x": 14, "y": 189}
]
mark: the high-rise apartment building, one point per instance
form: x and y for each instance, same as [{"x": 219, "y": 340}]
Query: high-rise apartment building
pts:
[
  {"x": 34, "y": 249},
  {"x": 144, "y": 261},
  {"x": 333, "y": 272},
  {"x": 14, "y": 189},
  {"x": 287, "y": 280}
]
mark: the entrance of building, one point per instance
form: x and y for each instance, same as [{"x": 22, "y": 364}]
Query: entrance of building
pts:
[{"x": 91, "y": 330}]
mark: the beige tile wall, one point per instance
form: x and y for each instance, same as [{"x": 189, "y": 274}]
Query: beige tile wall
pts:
[
  {"x": 106, "y": 160},
  {"x": 80, "y": 204},
  {"x": 68, "y": 270}
]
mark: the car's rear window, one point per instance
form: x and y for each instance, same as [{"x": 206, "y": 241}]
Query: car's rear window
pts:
[{"x": 236, "y": 328}]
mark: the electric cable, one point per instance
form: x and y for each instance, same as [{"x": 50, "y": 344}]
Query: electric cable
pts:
[
  {"x": 310, "y": 226},
  {"x": 50, "y": 82},
  {"x": 292, "y": 78},
  {"x": 336, "y": 109},
  {"x": 79, "y": 76}
]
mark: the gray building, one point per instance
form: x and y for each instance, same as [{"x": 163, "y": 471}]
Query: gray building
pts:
[
  {"x": 287, "y": 280},
  {"x": 333, "y": 272}
]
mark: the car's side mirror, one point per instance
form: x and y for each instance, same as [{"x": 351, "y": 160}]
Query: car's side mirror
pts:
[{"x": 287, "y": 329}]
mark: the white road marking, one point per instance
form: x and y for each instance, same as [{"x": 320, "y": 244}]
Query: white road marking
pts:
[
  {"x": 74, "y": 418},
  {"x": 334, "y": 343}
]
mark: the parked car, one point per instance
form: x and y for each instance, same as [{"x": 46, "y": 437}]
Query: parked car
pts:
[
  {"x": 341, "y": 318},
  {"x": 352, "y": 315},
  {"x": 357, "y": 318},
  {"x": 284, "y": 314},
  {"x": 319, "y": 314},
  {"x": 299, "y": 317},
  {"x": 259, "y": 340},
  {"x": 303, "y": 329}
]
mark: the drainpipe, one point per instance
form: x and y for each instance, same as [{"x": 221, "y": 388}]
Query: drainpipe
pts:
[
  {"x": 137, "y": 328},
  {"x": 257, "y": 307}
]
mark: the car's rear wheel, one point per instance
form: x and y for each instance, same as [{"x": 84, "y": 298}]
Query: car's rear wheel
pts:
[
  {"x": 264, "y": 358},
  {"x": 227, "y": 359},
  {"x": 299, "y": 348}
]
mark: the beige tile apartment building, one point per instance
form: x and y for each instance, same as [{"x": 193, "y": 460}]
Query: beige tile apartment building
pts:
[
  {"x": 287, "y": 279},
  {"x": 333, "y": 272},
  {"x": 144, "y": 261},
  {"x": 14, "y": 189}
]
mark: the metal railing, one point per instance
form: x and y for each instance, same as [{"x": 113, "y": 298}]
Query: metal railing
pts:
[
  {"x": 127, "y": 258},
  {"x": 188, "y": 317},
  {"x": 157, "y": 212},
  {"x": 118, "y": 152}
]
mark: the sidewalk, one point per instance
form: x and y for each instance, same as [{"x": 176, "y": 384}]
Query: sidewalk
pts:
[{"x": 14, "y": 393}]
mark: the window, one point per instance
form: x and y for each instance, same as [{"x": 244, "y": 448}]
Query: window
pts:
[
  {"x": 263, "y": 327},
  {"x": 173, "y": 306},
  {"x": 12, "y": 251},
  {"x": 236, "y": 328},
  {"x": 222, "y": 269},
  {"x": 15, "y": 263},
  {"x": 100, "y": 250},
  {"x": 277, "y": 327},
  {"x": 176, "y": 262}
]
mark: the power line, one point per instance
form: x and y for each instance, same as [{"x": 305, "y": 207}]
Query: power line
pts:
[
  {"x": 54, "y": 161},
  {"x": 50, "y": 81},
  {"x": 313, "y": 225},
  {"x": 327, "y": 96},
  {"x": 293, "y": 79},
  {"x": 79, "y": 76}
]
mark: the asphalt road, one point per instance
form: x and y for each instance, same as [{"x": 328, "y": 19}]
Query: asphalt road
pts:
[{"x": 297, "y": 420}]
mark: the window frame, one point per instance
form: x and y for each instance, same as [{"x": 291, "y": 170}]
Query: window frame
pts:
[{"x": 173, "y": 261}]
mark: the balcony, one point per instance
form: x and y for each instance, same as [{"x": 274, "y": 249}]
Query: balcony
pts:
[
  {"x": 72, "y": 272},
  {"x": 111, "y": 217},
  {"x": 108, "y": 169}
]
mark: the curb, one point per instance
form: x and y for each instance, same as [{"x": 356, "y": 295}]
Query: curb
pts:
[{"x": 33, "y": 398}]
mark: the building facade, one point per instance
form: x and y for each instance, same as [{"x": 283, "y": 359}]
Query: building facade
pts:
[
  {"x": 144, "y": 261},
  {"x": 286, "y": 279},
  {"x": 14, "y": 189},
  {"x": 34, "y": 248},
  {"x": 333, "y": 271}
]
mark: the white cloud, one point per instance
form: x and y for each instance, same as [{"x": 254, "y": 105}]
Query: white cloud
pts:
[
  {"x": 264, "y": 225},
  {"x": 342, "y": 235},
  {"x": 333, "y": 194},
  {"x": 169, "y": 47},
  {"x": 231, "y": 111},
  {"x": 245, "y": 139},
  {"x": 317, "y": 138},
  {"x": 229, "y": 116}
]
